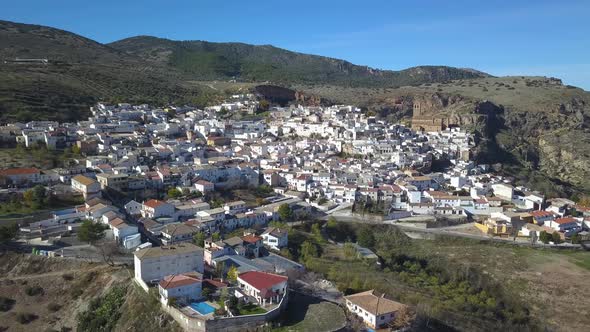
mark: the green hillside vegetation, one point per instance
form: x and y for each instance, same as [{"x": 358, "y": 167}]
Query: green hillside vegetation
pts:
[
  {"x": 463, "y": 284},
  {"x": 209, "y": 61},
  {"x": 80, "y": 73}
]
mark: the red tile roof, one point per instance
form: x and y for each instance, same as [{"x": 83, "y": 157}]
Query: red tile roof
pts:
[
  {"x": 116, "y": 222},
  {"x": 261, "y": 280},
  {"x": 214, "y": 283},
  {"x": 179, "y": 280},
  {"x": 251, "y": 238},
  {"x": 538, "y": 214},
  {"x": 565, "y": 220},
  {"x": 19, "y": 171},
  {"x": 154, "y": 203}
]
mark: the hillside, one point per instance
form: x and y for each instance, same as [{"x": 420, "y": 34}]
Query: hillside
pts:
[
  {"x": 211, "y": 61},
  {"x": 532, "y": 126},
  {"x": 79, "y": 73},
  {"x": 52, "y": 294}
]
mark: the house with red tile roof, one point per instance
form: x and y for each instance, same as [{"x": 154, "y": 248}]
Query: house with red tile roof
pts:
[
  {"x": 564, "y": 224},
  {"x": 263, "y": 287},
  {"x": 375, "y": 310},
  {"x": 204, "y": 186},
  {"x": 155, "y": 208},
  {"x": 22, "y": 175},
  {"x": 184, "y": 287},
  {"x": 542, "y": 217}
]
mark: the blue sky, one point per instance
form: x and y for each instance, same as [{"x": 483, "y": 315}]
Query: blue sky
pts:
[{"x": 517, "y": 37}]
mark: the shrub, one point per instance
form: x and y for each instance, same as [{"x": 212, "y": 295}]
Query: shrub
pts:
[
  {"x": 53, "y": 307},
  {"x": 103, "y": 312},
  {"x": 6, "y": 303},
  {"x": 68, "y": 277},
  {"x": 25, "y": 317},
  {"x": 33, "y": 290},
  {"x": 76, "y": 293}
]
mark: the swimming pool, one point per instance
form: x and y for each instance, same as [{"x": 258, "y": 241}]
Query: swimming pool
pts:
[{"x": 202, "y": 307}]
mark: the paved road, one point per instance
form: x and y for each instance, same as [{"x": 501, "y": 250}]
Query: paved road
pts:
[
  {"x": 84, "y": 252},
  {"x": 91, "y": 253}
]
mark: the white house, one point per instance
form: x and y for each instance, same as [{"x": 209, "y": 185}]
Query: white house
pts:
[
  {"x": 88, "y": 187},
  {"x": 262, "y": 286},
  {"x": 504, "y": 191},
  {"x": 375, "y": 311},
  {"x": 133, "y": 208},
  {"x": 275, "y": 238},
  {"x": 22, "y": 175},
  {"x": 542, "y": 217},
  {"x": 234, "y": 207},
  {"x": 153, "y": 264},
  {"x": 156, "y": 208},
  {"x": 564, "y": 224},
  {"x": 185, "y": 287},
  {"x": 121, "y": 229},
  {"x": 204, "y": 186}
]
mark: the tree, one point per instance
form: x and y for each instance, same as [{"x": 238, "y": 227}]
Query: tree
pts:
[
  {"x": 35, "y": 197},
  {"x": 263, "y": 105},
  {"x": 207, "y": 292},
  {"x": 219, "y": 269},
  {"x": 90, "y": 232},
  {"x": 216, "y": 236},
  {"x": 39, "y": 193},
  {"x": 174, "y": 193},
  {"x": 366, "y": 238},
  {"x": 556, "y": 237},
  {"x": 28, "y": 197},
  {"x": 349, "y": 250},
  {"x": 332, "y": 222},
  {"x": 8, "y": 232},
  {"x": 545, "y": 237},
  {"x": 286, "y": 253},
  {"x": 309, "y": 250},
  {"x": 232, "y": 302},
  {"x": 576, "y": 239},
  {"x": 584, "y": 201},
  {"x": 232, "y": 274},
  {"x": 108, "y": 250},
  {"x": 317, "y": 232},
  {"x": 199, "y": 239},
  {"x": 224, "y": 294},
  {"x": 285, "y": 212},
  {"x": 75, "y": 149},
  {"x": 277, "y": 224}
]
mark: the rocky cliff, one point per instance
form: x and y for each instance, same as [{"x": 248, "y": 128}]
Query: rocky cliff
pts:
[
  {"x": 543, "y": 144},
  {"x": 284, "y": 96}
]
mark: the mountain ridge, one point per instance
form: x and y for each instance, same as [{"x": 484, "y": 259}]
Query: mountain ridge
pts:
[{"x": 271, "y": 63}]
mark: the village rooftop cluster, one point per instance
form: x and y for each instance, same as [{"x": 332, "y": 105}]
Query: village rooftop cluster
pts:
[{"x": 153, "y": 176}]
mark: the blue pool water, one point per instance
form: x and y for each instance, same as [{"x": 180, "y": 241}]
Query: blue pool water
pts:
[{"x": 202, "y": 307}]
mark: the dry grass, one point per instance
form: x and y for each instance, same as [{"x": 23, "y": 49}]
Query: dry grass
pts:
[
  {"x": 57, "y": 305},
  {"x": 553, "y": 282}
]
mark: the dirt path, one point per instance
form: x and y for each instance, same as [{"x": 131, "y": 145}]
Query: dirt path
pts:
[{"x": 51, "y": 274}]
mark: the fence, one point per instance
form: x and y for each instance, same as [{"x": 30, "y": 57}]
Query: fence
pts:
[{"x": 227, "y": 324}]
